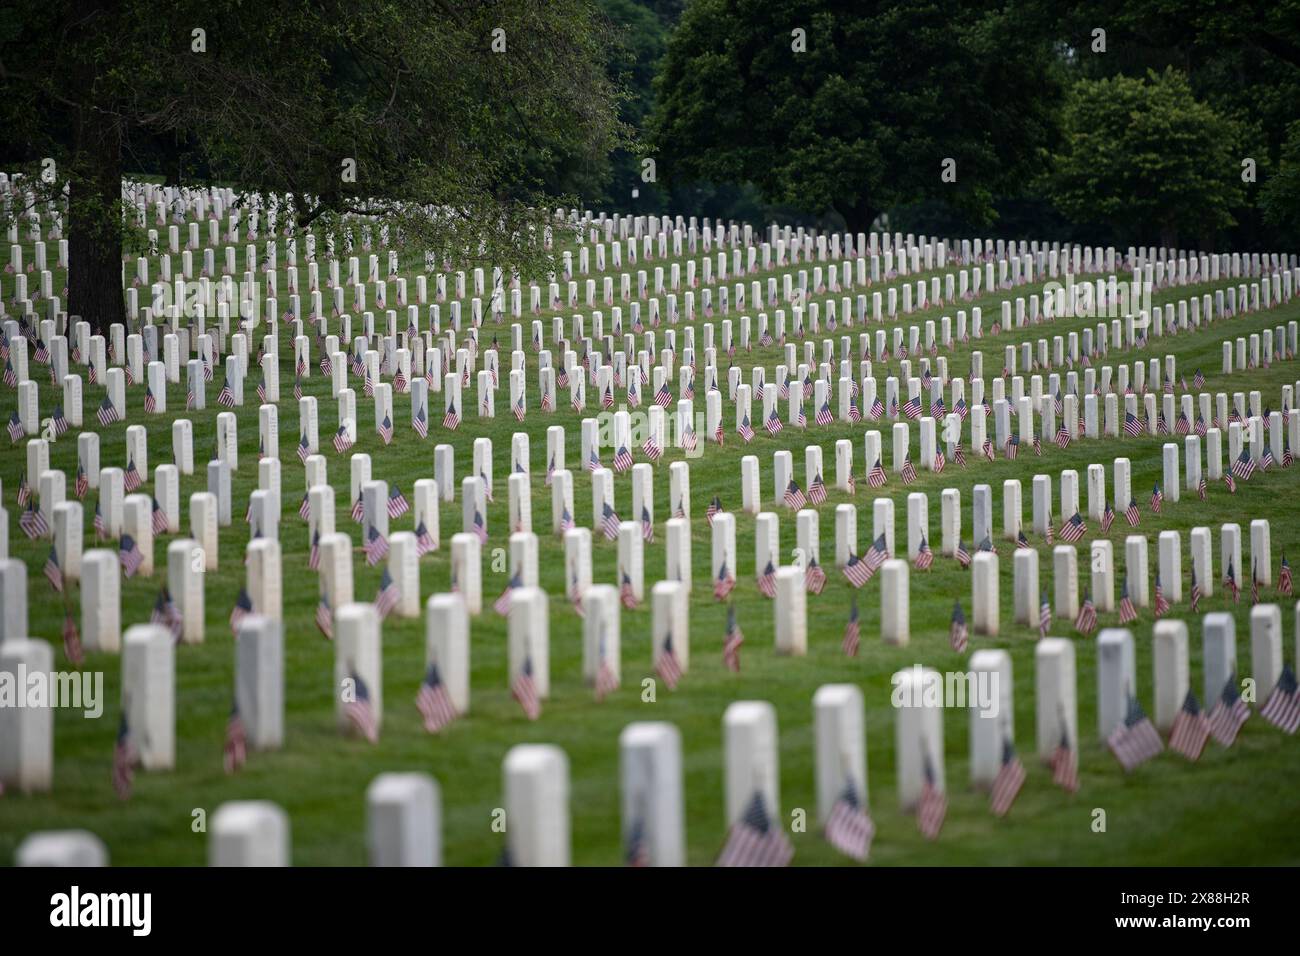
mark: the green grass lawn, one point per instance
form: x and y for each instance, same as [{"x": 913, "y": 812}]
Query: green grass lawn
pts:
[{"x": 1233, "y": 807}]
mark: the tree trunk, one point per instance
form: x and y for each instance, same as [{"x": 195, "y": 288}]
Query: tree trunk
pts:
[{"x": 94, "y": 206}]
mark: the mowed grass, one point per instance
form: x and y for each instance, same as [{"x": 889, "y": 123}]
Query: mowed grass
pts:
[{"x": 1233, "y": 807}]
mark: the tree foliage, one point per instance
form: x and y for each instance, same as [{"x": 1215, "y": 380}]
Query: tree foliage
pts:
[
  {"x": 471, "y": 111},
  {"x": 865, "y": 116},
  {"x": 1147, "y": 158}
]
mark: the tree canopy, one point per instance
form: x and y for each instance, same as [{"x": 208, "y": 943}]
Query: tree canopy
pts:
[
  {"x": 1144, "y": 151},
  {"x": 478, "y": 110},
  {"x": 860, "y": 110}
]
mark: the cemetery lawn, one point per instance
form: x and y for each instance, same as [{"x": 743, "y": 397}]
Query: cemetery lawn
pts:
[{"x": 1233, "y": 807}]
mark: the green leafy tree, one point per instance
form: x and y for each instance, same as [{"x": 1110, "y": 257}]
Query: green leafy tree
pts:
[
  {"x": 458, "y": 116},
  {"x": 1145, "y": 157},
  {"x": 859, "y": 112},
  {"x": 1280, "y": 195}
]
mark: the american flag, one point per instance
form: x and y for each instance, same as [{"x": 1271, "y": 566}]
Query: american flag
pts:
[
  {"x": 626, "y": 592},
  {"x": 767, "y": 581},
  {"x": 794, "y": 496},
  {"x": 451, "y": 420},
  {"x": 732, "y": 640},
  {"x": 376, "y": 546},
  {"x": 1196, "y": 592},
  {"x": 756, "y": 840},
  {"x": 129, "y": 556},
  {"x": 72, "y": 641},
  {"x": 1200, "y": 426},
  {"x": 1190, "y": 730},
  {"x": 1243, "y": 467},
  {"x": 961, "y": 555},
  {"x": 814, "y": 577},
  {"x": 235, "y": 751},
  {"x": 848, "y": 828},
  {"x": 1127, "y": 612},
  {"x": 83, "y": 481},
  {"x": 304, "y": 506},
  {"x": 166, "y": 614},
  {"x": 359, "y": 509},
  {"x": 107, "y": 414},
  {"x": 1230, "y": 582},
  {"x": 817, "y": 490},
  {"x": 667, "y": 666},
  {"x": 397, "y": 504},
  {"x": 1022, "y": 542},
  {"x": 59, "y": 421},
  {"x": 988, "y": 545},
  {"x": 1287, "y": 457},
  {"x": 131, "y": 479},
  {"x": 101, "y": 529},
  {"x": 226, "y": 397},
  {"x": 876, "y": 477},
  {"x": 957, "y": 631},
  {"x": 1228, "y": 714},
  {"x": 713, "y": 509},
  {"x": 524, "y": 690},
  {"x": 53, "y": 572},
  {"x": 385, "y": 430},
  {"x": 360, "y": 712},
  {"x": 1230, "y": 482},
  {"x": 1009, "y": 780},
  {"x": 909, "y": 471},
  {"x": 662, "y": 397},
  {"x": 1254, "y": 582},
  {"x": 746, "y": 430},
  {"x": 1284, "y": 577},
  {"x": 933, "y": 805},
  {"x": 124, "y": 760},
  {"x": 1157, "y": 498},
  {"x": 622, "y": 459},
  {"x": 388, "y": 595},
  {"x": 606, "y": 683},
  {"x": 32, "y": 521},
  {"x": 593, "y": 460},
  {"x": 877, "y": 407},
  {"x": 1107, "y": 518},
  {"x": 1065, "y": 762},
  {"x": 1198, "y": 380},
  {"x": 433, "y": 701},
  {"x": 852, "y": 632},
  {"x": 1162, "y": 603},
  {"x": 723, "y": 583},
  {"x": 912, "y": 408},
  {"x": 1282, "y": 709},
  {"x": 988, "y": 449},
  {"x": 824, "y": 416},
  {"x": 1044, "y": 615},
  {"x": 304, "y": 449},
  {"x": 487, "y": 485},
  {"x": 420, "y": 422},
  {"x": 1011, "y": 447},
  {"x": 342, "y": 440},
  {"x": 1135, "y": 740},
  {"x": 1131, "y": 514},
  {"x": 924, "y": 556},
  {"x": 1074, "y": 529},
  {"x": 243, "y": 607},
  {"x": 773, "y": 424},
  {"x": 609, "y": 522},
  {"x": 1132, "y": 427},
  {"x": 325, "y": 617},
  {"x": 1085, "y": 622}
]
